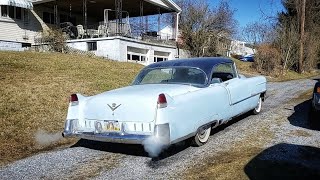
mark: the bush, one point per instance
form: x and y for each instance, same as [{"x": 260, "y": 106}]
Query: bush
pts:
[
  {"x": 55, "y": 39},
  {"x": 236, "y": 56},
  {"x": 268, "y": 60}
]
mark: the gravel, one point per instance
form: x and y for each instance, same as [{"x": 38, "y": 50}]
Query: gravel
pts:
[{"x": 88, "y": 162}]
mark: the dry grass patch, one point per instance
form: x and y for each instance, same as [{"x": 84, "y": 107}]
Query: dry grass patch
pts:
[
  {"x": 304, "y": 96},
  {"x": 34, "y": 92},
  {"x": 246, "y": 69},
  {"x": 230, "y": 164},
  {"x": 225, "y": 165},
  {"x": 299, "y": 133}
]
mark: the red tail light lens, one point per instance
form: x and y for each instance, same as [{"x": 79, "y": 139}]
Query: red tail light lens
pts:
[
  {"x": 318, "y": 90},
  {"x": 74, "y": 99},
  {"x": 162, "y": 101}
]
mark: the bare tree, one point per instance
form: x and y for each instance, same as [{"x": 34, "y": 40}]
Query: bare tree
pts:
[
  {"x": 203, "y": 28},
  {"x": 302, "y": 36},
  {"x": 305, "y": 14}
]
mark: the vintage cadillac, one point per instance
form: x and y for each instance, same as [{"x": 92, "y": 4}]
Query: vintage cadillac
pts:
[{"x": 170, "y": 101}]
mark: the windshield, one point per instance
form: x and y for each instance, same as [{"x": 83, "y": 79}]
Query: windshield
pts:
[{"x": 171, "y": 75}]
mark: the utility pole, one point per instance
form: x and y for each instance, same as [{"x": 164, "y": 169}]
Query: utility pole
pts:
[{"x": 302, "y": 38}]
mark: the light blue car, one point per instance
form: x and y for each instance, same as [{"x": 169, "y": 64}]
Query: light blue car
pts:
[{"x": 167, "y": 102}]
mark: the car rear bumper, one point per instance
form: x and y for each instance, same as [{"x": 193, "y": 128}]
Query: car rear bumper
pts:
[
  {"x": 316, "y": 101},
  {"x": 161, "y": 134},
  {"x": 109, "y": 137}
]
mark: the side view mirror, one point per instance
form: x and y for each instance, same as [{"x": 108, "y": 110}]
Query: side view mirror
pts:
[{"x": 215, "y": 80}]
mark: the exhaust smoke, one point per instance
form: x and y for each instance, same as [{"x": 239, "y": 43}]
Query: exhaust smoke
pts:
[
  {"x": 44, "y": 138},
  {"x": 154, "y": 146}
]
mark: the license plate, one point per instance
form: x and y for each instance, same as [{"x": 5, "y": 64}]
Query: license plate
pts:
[{"x": 112, "y": 126}]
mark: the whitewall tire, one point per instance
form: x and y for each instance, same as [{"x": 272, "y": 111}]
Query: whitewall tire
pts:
[
  {"x": 201, "y": 137},
  {"x": 258, "y": 108}
]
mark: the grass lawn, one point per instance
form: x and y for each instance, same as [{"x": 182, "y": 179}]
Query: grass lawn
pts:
[{"x": 34, "y": 92}]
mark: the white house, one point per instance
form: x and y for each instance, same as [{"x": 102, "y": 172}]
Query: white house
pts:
[
  {"x": 100, "y": 26},
  {"x": 240, "y": 48}
]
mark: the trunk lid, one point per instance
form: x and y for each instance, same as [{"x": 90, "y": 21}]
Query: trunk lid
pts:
[{"x": 136, "y": 103}]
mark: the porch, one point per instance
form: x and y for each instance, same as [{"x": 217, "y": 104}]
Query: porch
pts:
[{"x": 90, "y": 19}]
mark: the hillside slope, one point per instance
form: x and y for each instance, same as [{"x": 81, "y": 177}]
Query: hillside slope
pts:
[{"x": 34, "y": 92}]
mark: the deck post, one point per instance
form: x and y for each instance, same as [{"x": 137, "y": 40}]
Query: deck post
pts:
[
  {"x": 85, "y": 20},
  {"x": 55, "y": 13},
  {"x": 118, "y": 4}
]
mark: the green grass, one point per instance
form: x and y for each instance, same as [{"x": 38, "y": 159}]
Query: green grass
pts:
[{"x": 34, "y": 92}]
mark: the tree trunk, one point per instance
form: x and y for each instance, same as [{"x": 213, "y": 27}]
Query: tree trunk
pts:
[{"x": 303, "y": 18}]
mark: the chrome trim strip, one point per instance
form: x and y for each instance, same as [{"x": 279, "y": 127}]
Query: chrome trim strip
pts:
[{"x": 252, "y": 95}]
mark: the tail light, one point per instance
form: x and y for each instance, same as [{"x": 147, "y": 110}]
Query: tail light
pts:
[
  {"x": 74, "y": 100},
  {"x": 318, "y": 90},
  {"x": 162, "y": 101}
]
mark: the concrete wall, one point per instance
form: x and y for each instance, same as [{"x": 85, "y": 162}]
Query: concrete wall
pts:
[
  {"x": 117, "y": 48},
  {"x": 10, "y": 46}
]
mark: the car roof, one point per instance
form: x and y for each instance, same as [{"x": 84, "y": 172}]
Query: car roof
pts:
[{"x": 204, "y": 63}]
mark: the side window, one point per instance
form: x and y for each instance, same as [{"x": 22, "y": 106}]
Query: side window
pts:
[{"x": 224, "y": 71}]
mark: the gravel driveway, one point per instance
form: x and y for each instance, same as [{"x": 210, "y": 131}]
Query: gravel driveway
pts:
[{"x": 282, "y": 125}]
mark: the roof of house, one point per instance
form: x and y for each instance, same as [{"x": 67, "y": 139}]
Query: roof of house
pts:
[{"x": 95, "y": 7}]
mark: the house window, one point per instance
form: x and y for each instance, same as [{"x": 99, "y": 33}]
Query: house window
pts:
[
  {"x": 159, "y": 59},
  {"x": 18, "y": 13},
  {"x": 135, "y": 57},
  {"x": 92, "y": 46},
  {"x": 4, "y": 11},
  {"x": 48, "y": 17},
  {"x": 26, "y": 15},
  {"x": 11, "y": 11}
]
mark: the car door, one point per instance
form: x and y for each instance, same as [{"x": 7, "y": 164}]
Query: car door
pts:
[{"x": 238, "y": 90}]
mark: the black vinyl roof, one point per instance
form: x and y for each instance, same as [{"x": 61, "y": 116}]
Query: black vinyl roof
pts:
[{"x": 204, "y": 63}]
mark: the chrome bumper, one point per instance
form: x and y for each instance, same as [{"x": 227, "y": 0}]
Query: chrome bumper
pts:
[
  {"x": 110, "y": 137},
  {"x": 161, "y": 133}
]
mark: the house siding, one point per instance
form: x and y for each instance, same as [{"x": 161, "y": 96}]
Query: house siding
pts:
[{"x": 19, "y": 30}]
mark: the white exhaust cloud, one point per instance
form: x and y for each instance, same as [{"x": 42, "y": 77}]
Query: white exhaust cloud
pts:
[
  {"x": 154, "y": 146},
  {"x": 44, "y": 138}
]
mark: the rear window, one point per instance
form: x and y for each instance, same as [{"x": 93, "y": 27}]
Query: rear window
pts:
[{"x": 172, "y": 75}]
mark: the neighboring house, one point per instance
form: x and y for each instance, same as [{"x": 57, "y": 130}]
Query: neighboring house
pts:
[
  {"x": 15, "y": 26},
  {"x": 167, "y": 33},
  {"x": 90, "y": 25},
  {"x": 240, "y": 48}
]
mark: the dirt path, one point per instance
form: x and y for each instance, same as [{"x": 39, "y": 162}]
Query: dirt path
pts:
[{"x": 253, "y": 147}]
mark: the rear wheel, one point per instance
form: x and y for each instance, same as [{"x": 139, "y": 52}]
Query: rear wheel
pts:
[
  {"x": 258, "y": 108},
  {"x": 201, "y": 137}
]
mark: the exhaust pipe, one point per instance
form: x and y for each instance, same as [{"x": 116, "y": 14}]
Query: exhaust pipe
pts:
[{"x": 66, "y": 134}]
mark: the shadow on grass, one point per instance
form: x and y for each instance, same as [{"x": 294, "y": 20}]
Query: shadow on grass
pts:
[
  {"x": 303, "y": 117},
  {"x": 138, "y": 150},
  {"x": 285, "y": 161}
]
